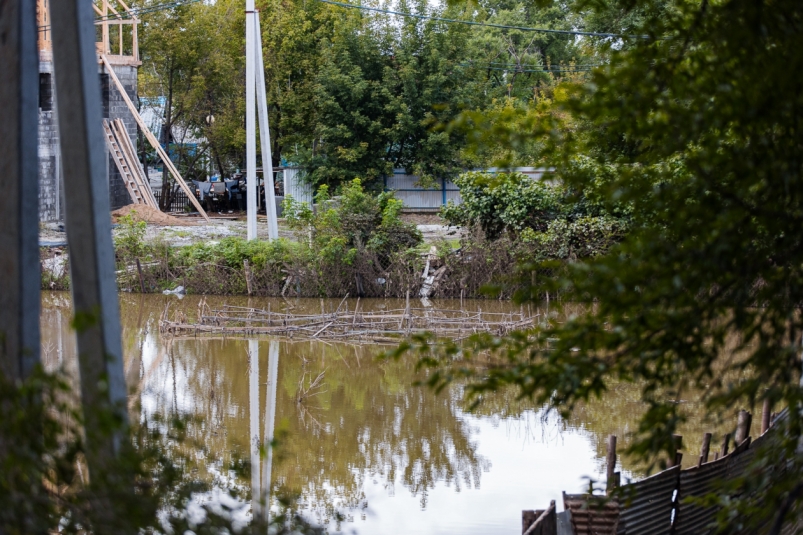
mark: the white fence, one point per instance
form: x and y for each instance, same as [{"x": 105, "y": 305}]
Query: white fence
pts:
[
  {"x": 412, "y": 195},
  {"x": 296, "y": 186},
  {"x": 416, "y": 197}
]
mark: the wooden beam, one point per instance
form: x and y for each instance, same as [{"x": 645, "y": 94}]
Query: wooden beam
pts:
[
  {"x": 153, "y": 141},
  {"x": 133, "y": 163}
]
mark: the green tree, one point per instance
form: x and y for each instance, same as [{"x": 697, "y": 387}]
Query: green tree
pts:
[
  {"x": 193, "y": 57},
  {"x": 697, "y": 126}
]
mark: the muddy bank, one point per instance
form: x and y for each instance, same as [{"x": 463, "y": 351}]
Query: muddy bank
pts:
[{"x": 232, "y": 266}]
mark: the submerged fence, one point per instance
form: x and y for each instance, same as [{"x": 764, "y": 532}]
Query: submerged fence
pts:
[{"x": 660, "y": 504}]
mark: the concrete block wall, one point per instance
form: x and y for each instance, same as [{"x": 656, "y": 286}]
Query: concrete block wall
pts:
[
  {"x": 115, "y": 108},
  {"x": 50, "y": 187},
  {"x": 50, "y": 192}
]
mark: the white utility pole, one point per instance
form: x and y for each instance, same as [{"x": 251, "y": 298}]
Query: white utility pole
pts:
[
  {"x": 264, "y": 136},
  {"x": 253, "y": 438},
  {"x": 250, "y": 127},
  {"x": 270, "y": 420}
]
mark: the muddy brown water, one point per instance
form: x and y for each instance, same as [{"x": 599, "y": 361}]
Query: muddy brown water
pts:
[{"x": 392, "y": 457}]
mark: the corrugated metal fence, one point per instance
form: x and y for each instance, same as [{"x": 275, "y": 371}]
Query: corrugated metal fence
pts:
[
  {"x": 295, "y": 185},
  {"x": 407, "y": 188},
  {"x": 416, "y": 197},
  {"x": 659, "y": 504}
]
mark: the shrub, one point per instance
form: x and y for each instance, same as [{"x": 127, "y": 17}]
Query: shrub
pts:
[
  {"x": 129, "y": 242},
  {"x": 352, "y": 224},
  {"x": 547, "y": 220}
]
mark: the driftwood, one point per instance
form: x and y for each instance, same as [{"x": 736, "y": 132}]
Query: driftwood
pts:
[{"x": 387, "y": 326}]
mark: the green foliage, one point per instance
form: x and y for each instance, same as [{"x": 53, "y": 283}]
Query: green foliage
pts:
[
  {"x": 129, "y": 241},
  {"x": 504, "y": 202},
  {"x": 695, "y": 131},
  {"x": 193, "y": 57},
  {"x": 573, "y": 239},
  {"x": 548, "y": 218},
  {"x": 231, "y": 252},
  {"x": 353, "y": 223}
]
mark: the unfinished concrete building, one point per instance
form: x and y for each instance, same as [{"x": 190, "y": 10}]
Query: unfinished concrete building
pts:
[{"x": 116, "y": 29}]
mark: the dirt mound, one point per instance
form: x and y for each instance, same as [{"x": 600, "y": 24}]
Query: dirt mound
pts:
[{"x": 141, "y": 212}]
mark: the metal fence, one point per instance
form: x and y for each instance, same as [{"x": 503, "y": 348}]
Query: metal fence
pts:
[
  {"x": 416, "y": 197},
  {"x": 295, "y": 185},
  {"x": 407, "y": 187},
  {"x": 178, "y": 201},
  {"x": 661, "y": 504}
]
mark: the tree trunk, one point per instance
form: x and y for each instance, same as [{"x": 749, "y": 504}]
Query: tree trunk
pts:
[{"x": 167, "y": 127}]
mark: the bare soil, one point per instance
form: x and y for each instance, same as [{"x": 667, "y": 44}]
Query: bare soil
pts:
[{"x": 141, "y": 212}]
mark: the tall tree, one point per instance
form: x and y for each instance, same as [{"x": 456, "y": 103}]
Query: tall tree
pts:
[
  {"x": 193, "y": 58},
  {"x": 698, "y": 126}
]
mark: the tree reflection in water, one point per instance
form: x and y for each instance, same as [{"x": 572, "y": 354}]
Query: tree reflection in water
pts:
[
  {"x": 366, "y": 423},
  {"x": 366, "y": 428}
]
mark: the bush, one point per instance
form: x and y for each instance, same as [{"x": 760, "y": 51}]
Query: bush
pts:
[
  {"x": 547, "y": 220},
  {"x": 129, "y": 243},
  {"x": 352, "y": 224},
  {"x": 504, "y": 202}
]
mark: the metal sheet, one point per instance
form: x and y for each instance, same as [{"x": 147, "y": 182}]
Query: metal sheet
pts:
[
  {"x": 295, "y": 186},
  {"x": 697, "y": 482},
  {"x": 592, "y": 515},
  {"x": 646, "y": 506}
]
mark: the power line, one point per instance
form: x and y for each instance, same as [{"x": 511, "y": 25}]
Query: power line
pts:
[
  {"x": 514, "y": 69},
  {"x": 562, "y": 66},
  {"x": 474, "y": 23},
  {"x": 135, "y": 11}
]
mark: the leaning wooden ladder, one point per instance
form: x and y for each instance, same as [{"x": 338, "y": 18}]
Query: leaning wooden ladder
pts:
[
  {"x": 152, "y": 139},
  {"x": 133, "y": 177}
]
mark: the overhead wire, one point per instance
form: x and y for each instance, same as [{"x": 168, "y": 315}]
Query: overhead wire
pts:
[
  {"x": 517, "y": 70},
  {"x": 485, "y": 24},
  {"x": 135, "y": 11}
]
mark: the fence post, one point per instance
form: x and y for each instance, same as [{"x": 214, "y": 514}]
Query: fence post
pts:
[
  {"x": 443, "y": 191},
  {"x": 677, "y": 456},
  {"x": 705, "y": 449},
  {"x": 766, "y": 411},
  {"x": 611, "y": 459},
  {"x": 725, "y": 441},
  {"x": 742, "y": 427}
]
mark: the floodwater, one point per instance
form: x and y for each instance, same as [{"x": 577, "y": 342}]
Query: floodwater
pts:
[{"x": 364, "y": 441}]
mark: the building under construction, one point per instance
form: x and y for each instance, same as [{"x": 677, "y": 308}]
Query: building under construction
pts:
[{"x": 116, "y": 30}]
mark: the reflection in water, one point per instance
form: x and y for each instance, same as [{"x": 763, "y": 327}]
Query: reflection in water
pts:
[{"x": 392, "y": 457}]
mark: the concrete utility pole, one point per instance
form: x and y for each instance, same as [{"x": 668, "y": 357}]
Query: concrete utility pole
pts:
[
  {"x": 264, "y": 136},
  {"x": 270, "y": 421},
  {"x": 94, "y": 287},
  {"x": 19, "y": 203},
  {"x": 250, "y": 127}
]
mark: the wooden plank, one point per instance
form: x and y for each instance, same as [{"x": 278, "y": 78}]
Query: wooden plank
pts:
[
  {"x": 133, "y": 163},
  {"x": 153, "y": 141},
  {"x": 145, "y": 183},
  {"x": 111, "y": 143},
  {"x": 121, "y": 138}
]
